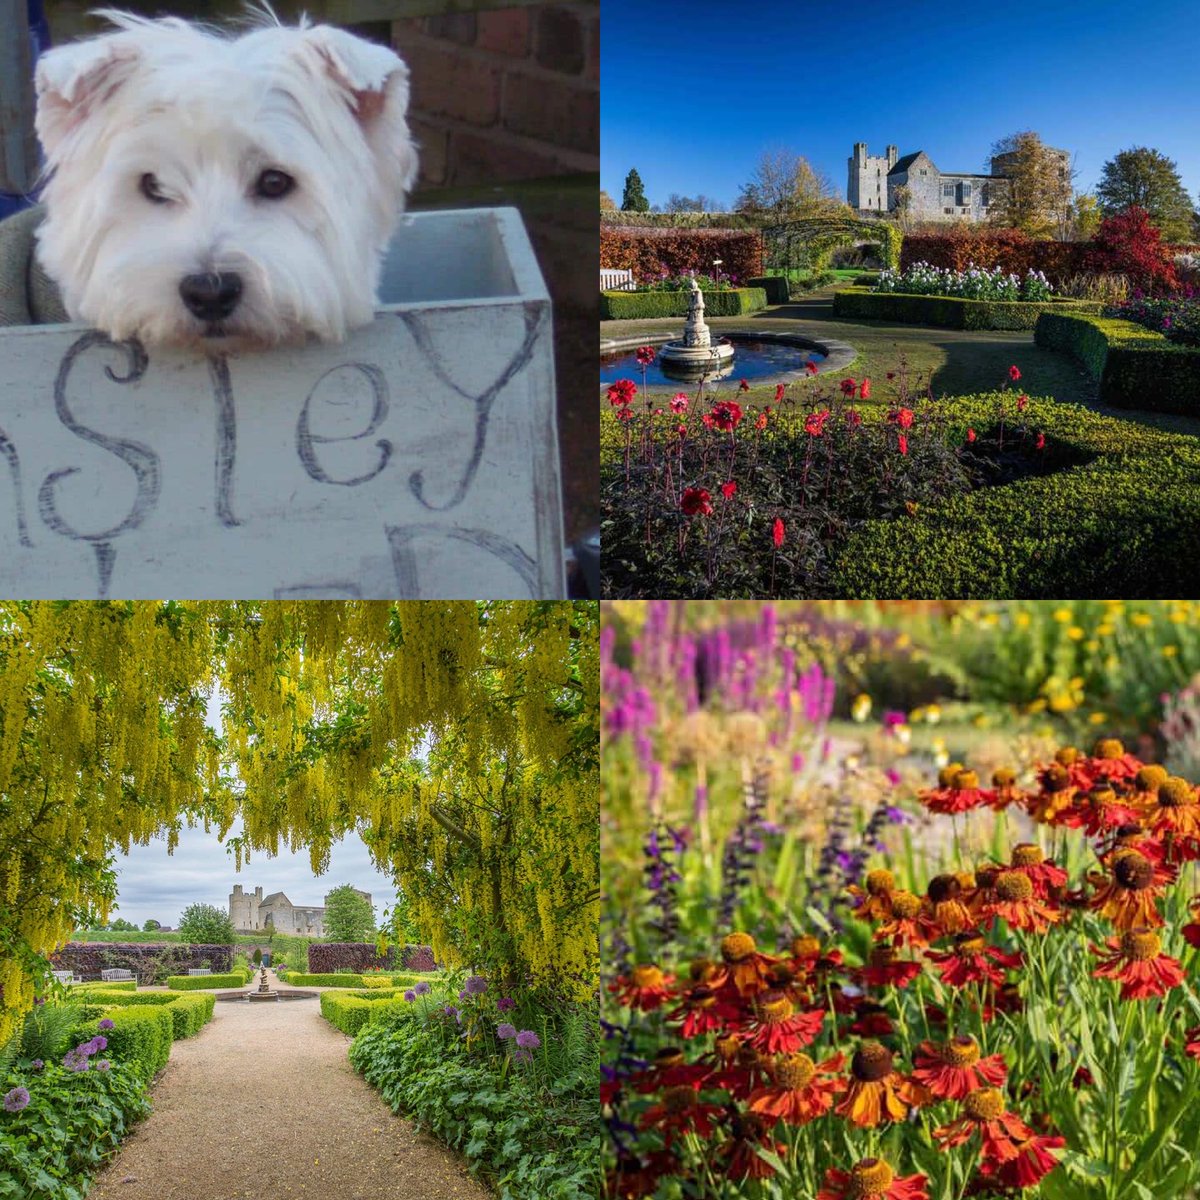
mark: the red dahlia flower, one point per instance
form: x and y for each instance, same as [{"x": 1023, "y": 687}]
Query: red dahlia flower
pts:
[
  {"x": 679, "y": 402},
  {"x": 872, "y": 1179},
  {"x": 644, "y": 355},
  {"x": 811, "y": 367},
  {"x": 849, "y": 387},
  {"x": 864, "y": 390},
  {"x": 743, "y": 386},
  {"x": 1039, "y": 443},
  {"x": 621, "y": 392},
  {"x": 1014, "y": 373},
  {"x": 970, "y": 435},
  {"x": 779, "y": 390},
  {"x": 902, "y": 444},
  {"x": 814, "y": 423},
  {"x": 726, "y": 414},
  {"x": 696, "y": 501},
  {"x": 728, "y": 489},
  {"x": 952, "y": 1069},
  {"x": 1136, "y": 959}
]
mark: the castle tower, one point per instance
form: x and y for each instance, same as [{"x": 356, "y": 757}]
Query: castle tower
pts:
[{"x": 866, "y": 188}]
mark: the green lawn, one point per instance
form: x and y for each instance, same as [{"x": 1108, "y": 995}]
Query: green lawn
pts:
[{"x": 956, "y": 362}]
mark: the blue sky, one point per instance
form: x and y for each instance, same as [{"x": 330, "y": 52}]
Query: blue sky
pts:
[{"x": 693, "y": 91}]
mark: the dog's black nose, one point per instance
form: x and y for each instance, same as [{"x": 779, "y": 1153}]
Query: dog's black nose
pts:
[{"x": 211, "y": 297}]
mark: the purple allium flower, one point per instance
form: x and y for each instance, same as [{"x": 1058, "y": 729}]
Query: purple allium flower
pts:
[
  {"x": 522, "y": 1055},
  {"x": 476, "y": 985},
  {"x": 74, "y": 1061},
  {"x": 99, "y": 1042},
  {"x": 451, "y": 1011},
  {"x": 16, "y": 1100},
  {"x": 505, "y": 1030},
  {"x": 103, "y": 1065},
  {"x": 410, "y": 995},
  {"x": 421, "y": 988},
  {"x": 528, "y": 1040},
  {"x": 505, "y": 1003},
  {"x": 464, "y": 994},
  {"x": 37, "y": 1064},
  {"x": 105, "y": 1024}
]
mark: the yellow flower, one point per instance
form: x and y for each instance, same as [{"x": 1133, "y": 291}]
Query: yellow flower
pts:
[
  {"x": 1091, "y": 645},
  {"x": 916, "y": 716},
  {"x": 933, "y": 713},
  {"x": 1021, "y": 620},
  {"x": 1061, "y": 702},
  {"x": 860, "y": 710},
  {"x": 1170, "y": 651},
  {"x": 1097, "y": 718},
  {"x": 1063, "y": 615},
  {"x": 1037, "y": 706},
  {"x": 1178, "y": 616},
  {"x": 1075, "y": 633},
  {"x": 980, "y": 720},
  {"x": 1141, "y": 619},
  {"x": 1104, "y": 629},
  {"x": 903, "y": 640}
]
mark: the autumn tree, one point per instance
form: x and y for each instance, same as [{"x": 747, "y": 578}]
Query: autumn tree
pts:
[
  {"x": 1085, "y": 217},
  {"x": 1036, "y": 194},
  {"x": 607, "y": 203},
  {"x": 1145, "y": 178},
  {"x": 458, "y": 739},
  {"x": 634, "y": 198},
  {"x": 349, "y": 916},
  {"x": 785, "y": 186}
]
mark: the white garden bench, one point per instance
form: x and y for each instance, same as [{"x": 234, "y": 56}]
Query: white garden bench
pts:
[
  {"x": 66, "y": 977},
  {"x": 115, "y": 975},
  {"x": 199, "y": 971},
  {"x": 616, "y": 281}
]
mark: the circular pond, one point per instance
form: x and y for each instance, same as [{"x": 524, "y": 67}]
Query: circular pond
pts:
[
  {"x": 240, "y": 997},
  {"x": 753, "y": 360}
]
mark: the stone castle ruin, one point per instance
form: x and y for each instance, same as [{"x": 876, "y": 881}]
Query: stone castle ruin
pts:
[
  {"x": 257, "y": 913},
  {"x": 879, "y": 184}
]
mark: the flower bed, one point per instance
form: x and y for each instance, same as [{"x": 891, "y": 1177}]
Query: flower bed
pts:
[
  {"x": 511, "y": 1083},
  {"x": 948, "y": 312},
  {"x": 1177, "y": 318},
  {"x": 630, "y": 306},
  {"x": 933, "y": 1006},
  {"x": 1137, "y": 367},
  {"x": 973, "y": 283}
]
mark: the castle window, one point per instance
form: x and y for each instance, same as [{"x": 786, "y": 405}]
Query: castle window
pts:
[
  {"x": 964, "y": 193},
  {"x": 983, "y": 195},
  {"x": 947, "y": 189},
  {"x": 924, "y": 172},
  {"x": 948, "y": 211}
]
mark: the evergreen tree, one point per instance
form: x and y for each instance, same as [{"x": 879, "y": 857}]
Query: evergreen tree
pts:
[
  {"x": 1147, "y": 179},
  {"x": 634, "y": 199}
]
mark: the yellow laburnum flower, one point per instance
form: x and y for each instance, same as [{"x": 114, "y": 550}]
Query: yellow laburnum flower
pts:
[
  {"x": 1170, "y": 651},
  {"x": 1063, "y": 615},
  {"x": 1075, "y": 633},
  {"x": 1021, "y": 620},
  {"x": 1141, "y": 619},
  {"x": 1097, "y": 718}
]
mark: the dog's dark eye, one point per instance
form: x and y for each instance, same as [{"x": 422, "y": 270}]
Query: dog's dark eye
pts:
[
  {"x": 149, "y": 188},
  {"x": 274, "y": 185}
]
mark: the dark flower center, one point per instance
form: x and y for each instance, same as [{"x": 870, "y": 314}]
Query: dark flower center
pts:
[
  {"x": 678, "y": 1099},
  {"x": 943, "y": 888},
  {"x": 1133, "y": 871},
  {"x": 1174, "y": 792},
  {"x": 872, "y": 1061}
]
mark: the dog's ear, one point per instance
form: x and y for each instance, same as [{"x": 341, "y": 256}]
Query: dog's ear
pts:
[
  {"x": 374, "y": 81},
  {"x": 71, "y": 80}
]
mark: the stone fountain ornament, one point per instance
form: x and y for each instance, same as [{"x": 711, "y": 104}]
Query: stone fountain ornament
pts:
[
  {"x": 264, "y": 989},
  {"x": 696, "y": 356}
]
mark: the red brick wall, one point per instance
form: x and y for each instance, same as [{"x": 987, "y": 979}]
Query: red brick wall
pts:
[{"x": 513, "y": 93}]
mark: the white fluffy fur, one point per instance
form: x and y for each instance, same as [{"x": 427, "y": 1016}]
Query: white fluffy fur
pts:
[{"x": 205, "y": 113}]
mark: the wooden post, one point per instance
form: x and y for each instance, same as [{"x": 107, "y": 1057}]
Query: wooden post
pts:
[{"x": 18, "y": 145}]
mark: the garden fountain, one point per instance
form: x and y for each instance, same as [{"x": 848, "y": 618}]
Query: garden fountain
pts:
[
  {"x": 264, "y": 990},
  {"x": 696, "y": 356}
]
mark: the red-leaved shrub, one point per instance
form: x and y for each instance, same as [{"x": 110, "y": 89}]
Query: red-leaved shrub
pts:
[
  {"x": 650, "y": 252},
  {"x": 327, "y": 957},
  {"x": 1128, "y": 243}
]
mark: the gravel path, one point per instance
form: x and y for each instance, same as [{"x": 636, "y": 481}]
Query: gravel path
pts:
[{"x": 263, "y": 1103}]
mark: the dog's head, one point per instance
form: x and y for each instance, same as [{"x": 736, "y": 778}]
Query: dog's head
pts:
[{"x": 220, "y": 190}]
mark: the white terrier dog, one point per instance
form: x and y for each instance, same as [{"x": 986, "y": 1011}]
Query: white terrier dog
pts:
[{"x": 221, "y": 190}]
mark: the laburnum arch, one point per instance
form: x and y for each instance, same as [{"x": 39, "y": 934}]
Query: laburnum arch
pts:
[
  {"x": 808, "y": 242},
  {"x": 458, "y": 739}
]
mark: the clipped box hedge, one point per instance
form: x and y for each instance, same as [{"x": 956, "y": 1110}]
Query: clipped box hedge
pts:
[
  {"x": 120, "y": 985},
  {"x": 140, "y": 1036},
  {"x": 349, "y": 1011},
  {"x": 189, "y": 1012},
  {"x": 948, "y": 312},
  {"x": 775, "y": 286},
  {"x": 631, "y": 306},
  {"x": 1121, "y": 522},
  {"x": 189, "y": 983},
  {"x": 1137, "y": 367},
  {"x": 325, "y": 980}
]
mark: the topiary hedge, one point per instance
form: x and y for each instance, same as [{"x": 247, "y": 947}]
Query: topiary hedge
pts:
[
  {"x": 139, "y": 1036},
  {"x": 120, "y": 985},
  {"x": 1120, "y": 522},
  {"x": 350, "y": 1012},
  {"x": 144, "y": 959},
  {"x": 775, "y": 286},
  {"x": 324, "y": 957},
  {"x": 1137, "y": 367},
  {"x": 188, "y": 983},
  {"x": 949, "y": 312},
  {"x": 630, "y": 306},
  {"x": 189, "y": 1013},
  {"x": 325, "y": 980}
]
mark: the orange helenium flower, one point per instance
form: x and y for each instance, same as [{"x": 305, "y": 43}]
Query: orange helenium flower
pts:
[
  {"x": 778, "y": 1028},
  {"x": 983, "y": 1112},
  {"x": 745, "y": 967},
  {"x": 944, "y": 907},
  {"x": 797, "y": 1092},
  {"x": 1129, "y": 898},
  {"x": 907, "y": 926},
  {"x": 877, "y": 1092},
  {"x": 1136, "y": 959},
  {"x": 645, "y": 988},
  {"x": 872, "y": 1179},
  {"x": 1017, "y": 904},
  {"x": 953, "y": 1069},
  {"x": 874, "y": 904},
  {"x": 972, "y": 960},
  {"x": 1043, "y": 873}
]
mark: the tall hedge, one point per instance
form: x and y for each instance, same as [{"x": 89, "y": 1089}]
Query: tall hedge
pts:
[
  {"x": 151, "y": 962},
  {"x": 948, "y": 312},
  {"x": 327, "y": 957},
  {"x": 650, "y": 252},
  {"x": 630, "y": 306}
]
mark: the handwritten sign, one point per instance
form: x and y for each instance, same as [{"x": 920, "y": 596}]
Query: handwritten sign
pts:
[{"x": 418, "y": 460}]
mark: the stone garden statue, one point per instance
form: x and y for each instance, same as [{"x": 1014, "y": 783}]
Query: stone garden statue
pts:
[{"x": 695, "y": 332}]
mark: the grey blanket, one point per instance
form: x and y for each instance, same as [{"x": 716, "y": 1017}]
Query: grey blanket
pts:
[{"x": 27, "y": 295}]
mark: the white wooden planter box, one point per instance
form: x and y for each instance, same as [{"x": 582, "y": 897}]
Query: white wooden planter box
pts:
[{"x": 418, "y": 460}]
